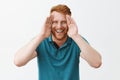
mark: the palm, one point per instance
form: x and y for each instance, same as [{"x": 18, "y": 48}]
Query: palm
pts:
[
  {"x": 72, "y": 27},
  {"x": 46, "y": 29},
  {"x": 72, "y": 30}
]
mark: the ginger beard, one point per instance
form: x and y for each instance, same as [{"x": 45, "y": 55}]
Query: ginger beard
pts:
[
  {"x": 59, "y": 34},
  {"x": 59, "y": 26}
]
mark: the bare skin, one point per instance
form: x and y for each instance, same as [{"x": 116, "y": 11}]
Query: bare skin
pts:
[
  {"x": 61, "y": 26},
  {"x": 87, "y": 52},
  {"x": 27, "y": 52}
]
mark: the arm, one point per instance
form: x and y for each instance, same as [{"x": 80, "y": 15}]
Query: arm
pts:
[
  {"x": 27, "y": 52},
  {"x": 88, "y": 53}
]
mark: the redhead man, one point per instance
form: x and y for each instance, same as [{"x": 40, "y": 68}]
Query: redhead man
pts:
[{"x": 58, "y": 48}]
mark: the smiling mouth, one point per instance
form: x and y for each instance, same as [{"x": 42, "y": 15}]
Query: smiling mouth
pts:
[{"x": 59, "y": 31}]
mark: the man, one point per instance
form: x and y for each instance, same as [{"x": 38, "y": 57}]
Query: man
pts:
[{"x": 58, "y": 47}]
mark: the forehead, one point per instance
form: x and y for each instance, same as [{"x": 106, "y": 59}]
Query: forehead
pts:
[{"x": 58, "y": 16}]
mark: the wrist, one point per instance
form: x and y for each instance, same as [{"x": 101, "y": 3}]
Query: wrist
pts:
[
  {"x": 41, "y": 36},
  {"x": 75, "y": 36}
]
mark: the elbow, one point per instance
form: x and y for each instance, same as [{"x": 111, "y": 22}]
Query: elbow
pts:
[
  {"x": 97, "y": 64},
  {"x": 18, "y": 63}
]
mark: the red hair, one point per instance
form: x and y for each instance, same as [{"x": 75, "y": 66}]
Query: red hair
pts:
[{"x": 64, "y": 9}]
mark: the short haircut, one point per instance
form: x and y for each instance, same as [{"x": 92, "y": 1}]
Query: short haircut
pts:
[{"x": 64, "y": 9}]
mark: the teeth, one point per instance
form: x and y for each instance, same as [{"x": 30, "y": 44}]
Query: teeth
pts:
[{"x": 59, "y": 31}]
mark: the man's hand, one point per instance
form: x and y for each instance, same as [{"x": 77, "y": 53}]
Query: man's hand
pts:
[
  {"x": 46, "y": 29},
  {"x": 72, "y": 27}
]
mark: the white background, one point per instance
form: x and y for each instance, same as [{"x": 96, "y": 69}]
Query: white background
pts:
[{"x": 98, "y": 21}]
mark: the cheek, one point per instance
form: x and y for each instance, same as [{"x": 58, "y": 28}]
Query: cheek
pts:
[
  {"x": 62, "y": 27},
  {"x": 66, "y": 28}
]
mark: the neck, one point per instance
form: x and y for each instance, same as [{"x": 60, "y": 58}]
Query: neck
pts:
[{"x": 59, "y": 42}]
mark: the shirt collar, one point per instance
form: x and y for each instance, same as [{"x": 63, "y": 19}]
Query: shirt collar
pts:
[{"x": 50, "y": 38}]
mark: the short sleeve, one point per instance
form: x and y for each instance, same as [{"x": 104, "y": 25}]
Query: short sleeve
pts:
[{"x": 85, "y": 40}]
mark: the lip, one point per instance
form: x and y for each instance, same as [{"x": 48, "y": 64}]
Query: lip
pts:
[{"x": 59, "y": 31}]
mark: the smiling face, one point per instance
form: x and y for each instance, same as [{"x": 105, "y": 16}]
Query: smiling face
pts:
[{"x": 59, "y": 26}]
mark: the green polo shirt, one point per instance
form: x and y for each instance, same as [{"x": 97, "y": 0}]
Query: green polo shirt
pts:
[{"x": 58, "y": 63}]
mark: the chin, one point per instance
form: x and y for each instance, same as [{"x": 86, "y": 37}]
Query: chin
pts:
[{"x": 60, "y": 37}]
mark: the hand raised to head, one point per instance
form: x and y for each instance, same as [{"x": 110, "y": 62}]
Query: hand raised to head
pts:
[
  {"x": 46, "y": 29},
  {"x": 72, "y": 27}
]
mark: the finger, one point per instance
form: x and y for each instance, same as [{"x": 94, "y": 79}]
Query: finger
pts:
[
  {"x": 48, "y": 20},
  {"x": 72, "y": 21},
  {"x": 51, "y": 17},
  {"x": 68, "y": 19}
]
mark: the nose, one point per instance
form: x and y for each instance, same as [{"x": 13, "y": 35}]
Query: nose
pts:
[{"x": 59, "y": 25}]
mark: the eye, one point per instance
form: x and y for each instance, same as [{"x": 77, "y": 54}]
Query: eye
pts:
[
  {"x": 54, "y": 22},
  {"x": 63, "y": 22}
]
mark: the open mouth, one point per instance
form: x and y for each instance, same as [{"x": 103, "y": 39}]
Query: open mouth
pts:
[{"x": 59, "y": 31}]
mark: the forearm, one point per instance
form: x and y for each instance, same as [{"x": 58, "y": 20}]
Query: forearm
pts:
[
  {"x": 87, "y": 52},
  {"x": 27, "y": 52}
]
